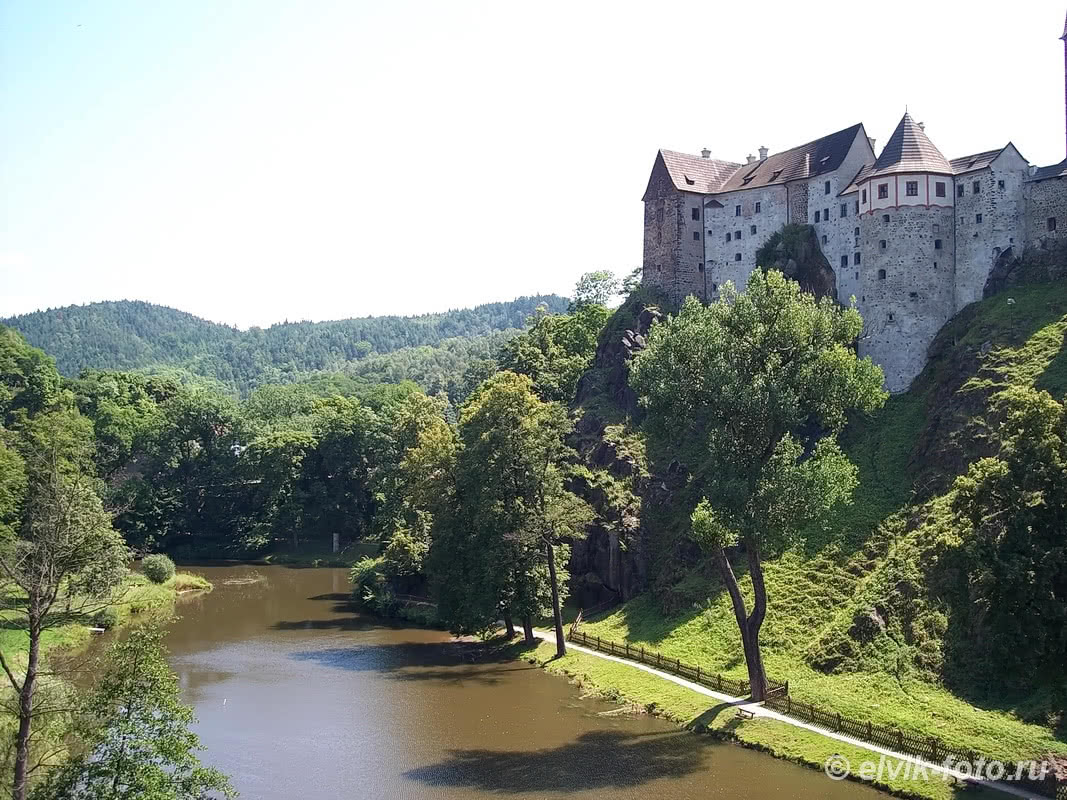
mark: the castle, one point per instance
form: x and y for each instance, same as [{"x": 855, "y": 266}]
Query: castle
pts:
[{"x": 911, "y": 235}]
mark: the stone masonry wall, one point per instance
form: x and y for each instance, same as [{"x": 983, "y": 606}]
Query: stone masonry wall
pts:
[
  {"x": 904, "y": 298},
  {"x": 1044, "y": 200},
  {"x": 999, "y": 201},
  {"x": 747, "y": 232}
]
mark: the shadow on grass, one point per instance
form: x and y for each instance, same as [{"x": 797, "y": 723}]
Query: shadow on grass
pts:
[{"x": 595, "y": 760}]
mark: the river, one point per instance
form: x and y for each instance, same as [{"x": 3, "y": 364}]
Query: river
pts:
[{"x": 300, "y": 697}]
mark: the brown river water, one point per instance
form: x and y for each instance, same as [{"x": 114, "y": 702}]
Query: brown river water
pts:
[{"x": 300, "y": 697}]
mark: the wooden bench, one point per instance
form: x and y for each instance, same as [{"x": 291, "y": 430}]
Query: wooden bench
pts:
[{"x": 744, "y": 713}]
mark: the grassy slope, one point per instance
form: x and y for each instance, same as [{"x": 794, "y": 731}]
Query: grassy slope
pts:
[{"x": 910, "y": 451}]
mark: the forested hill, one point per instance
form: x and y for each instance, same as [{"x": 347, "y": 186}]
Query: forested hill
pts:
[{"x": 129, "y": 334}]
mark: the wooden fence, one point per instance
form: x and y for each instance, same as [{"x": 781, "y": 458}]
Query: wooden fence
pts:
[
  {"x": 929, "y": 748},
  {"x": 732, "y": 686}
]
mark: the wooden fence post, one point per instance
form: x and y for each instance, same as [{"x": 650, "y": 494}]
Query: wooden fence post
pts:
[
  {"x": 627, "y": 649},
  {"x": 870, "y": 733},
  {"x": 789, "y": 704},
  {"x": 598, "y": 643},
  {"x": 900, "y": 740},
  {"x": 839, "y": 720},
  {"x": 642, "y": 653},
  {"x": 698, "y": 673},
  {"x": 679, "y": 665}
]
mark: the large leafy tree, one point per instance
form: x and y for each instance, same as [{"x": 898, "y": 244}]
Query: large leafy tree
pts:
[
  {"x": 135, "y": 733},
  {"x": 753, "y": 390},
  {"x": 1013, "y": 507},
  {"x": 511, "y": 511},
  {"x": 64, "y": 560}
]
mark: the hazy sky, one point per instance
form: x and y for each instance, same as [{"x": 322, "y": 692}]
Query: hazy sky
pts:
[{"x": 258, "y": 161}]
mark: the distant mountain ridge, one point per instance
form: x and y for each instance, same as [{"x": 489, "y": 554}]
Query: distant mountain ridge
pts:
[{"x": 132, "y": 334}]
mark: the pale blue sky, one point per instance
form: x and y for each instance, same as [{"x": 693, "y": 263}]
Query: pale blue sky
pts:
[{"x": 258, "y": 161}]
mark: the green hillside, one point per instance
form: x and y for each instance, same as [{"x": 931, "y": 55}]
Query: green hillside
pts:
[
  {"x": 877, "y": 615},
  {"x": 129, "y": 335}
]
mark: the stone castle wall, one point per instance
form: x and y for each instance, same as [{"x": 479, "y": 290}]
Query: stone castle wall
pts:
[{"x": 907, "y": 287}]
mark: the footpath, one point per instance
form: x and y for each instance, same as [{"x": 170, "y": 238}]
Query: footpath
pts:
[{"x": 758, "y": 710}]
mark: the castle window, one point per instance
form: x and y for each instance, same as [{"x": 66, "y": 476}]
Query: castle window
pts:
[
  {"x": 728, "y": 236},
  {"x": 857, "y": 274},
  {"x": 1051, "y": 224},
  {"x": 824, "y": 238},
  {"x": 939, "y": 188},
  {"x": 826, "y": 189},
  {"x": 817, "y": 213},
  {"x": 935, "y": 265},
  {"x": 826, "y": 214},
  {"x": 883, "y": 191},
  {"x": 700, "y": 267},
  {"x": 911, "y": 188},
  {"x": 881, "y": 274},
  {"x": 881, "y": 244},
  {"x": 858, "y": 205},
  {"x": 844, "y": 210},
  {"x": 978, "y": 218},
  {"x": 696, "y": 213},
  {"x": 856, "y": 258},
  {"x": 977, "y": 187},
  {"x": 856, "y": 233},
  {"x": 752, "y": 230},
  {"x": 937, "y": 244},
  {"x": 890, "y": 317},
  {"x": 864, "y": 195},
  {"x": 937, "y": 228},
  {"x": 709, "y": 231},
  {"x": 959, "y": 190},
  {"x": 714, "y": 287},
  {"x": 885, "y": 218},
  {"x": 913, "y": 295},
  {"x": 1000, "y": 184},
  {"x": 758, "y": 206},
  {"x": 737, "y": 211},
  {"x": 737, "y": 234},
  {"x": 737, "y": 256},
  {"x": 844, "y": 261},
  {"x": 696, "y": 236}
]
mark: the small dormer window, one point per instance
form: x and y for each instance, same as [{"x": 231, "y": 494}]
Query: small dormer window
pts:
[{"x": 689, "y": 181}]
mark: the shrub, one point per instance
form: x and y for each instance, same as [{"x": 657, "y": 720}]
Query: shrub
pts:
[
  {"x": 158, "y": 568},
  {"x": 106, "y": 618}
]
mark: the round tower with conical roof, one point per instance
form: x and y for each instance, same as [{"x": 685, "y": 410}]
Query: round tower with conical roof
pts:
[{"x": 905, "y": 252}]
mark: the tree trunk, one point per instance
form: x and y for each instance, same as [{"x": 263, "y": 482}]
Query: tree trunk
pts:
[
  {"x": 527, "y": 629},
  {"x": 22, "y": 740},
  {"x": 557, "y": 614},
  {"x": 509, "y": 625},
  {"x": 748, "y": 625}
]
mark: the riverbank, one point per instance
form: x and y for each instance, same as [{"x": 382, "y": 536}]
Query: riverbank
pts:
[
  {"x": 628, "y": 685},
  {"x": 138, "y": 598}
]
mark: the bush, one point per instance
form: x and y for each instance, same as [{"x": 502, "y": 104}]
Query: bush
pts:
[
  {"x": 157, "y": 568},
  {"x": 106, "y": 618}
]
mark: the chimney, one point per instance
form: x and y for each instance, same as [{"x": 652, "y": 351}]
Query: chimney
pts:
[
  {"x": 807, "y": 164},
  {"x": 763, "y": 154},
  {"x": 922, "y": 126},
  {"x": 705, "y": 153},
  {"x": 749, "y": 158},
  {"x": 1033, "y": 170},
  {"x": 872, "y": 140}
]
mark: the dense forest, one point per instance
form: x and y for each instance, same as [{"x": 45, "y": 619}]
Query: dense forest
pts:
[{"x": 133, "y": 335}]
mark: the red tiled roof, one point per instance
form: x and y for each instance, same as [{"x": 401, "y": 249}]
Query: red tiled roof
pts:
[{"x": 697, "y": 174}]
